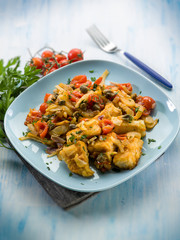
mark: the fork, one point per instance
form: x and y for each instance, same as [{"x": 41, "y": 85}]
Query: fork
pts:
[{"x": 110, "y": 47}]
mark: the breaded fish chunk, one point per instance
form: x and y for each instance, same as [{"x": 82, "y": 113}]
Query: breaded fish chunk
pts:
[
  {"x": 76, "y": 158},
  {"x": 130, "y": 157}
]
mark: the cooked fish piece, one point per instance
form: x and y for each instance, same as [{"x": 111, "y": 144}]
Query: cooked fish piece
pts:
[
  {"x": 76, "y": 158},
  {"x": 130, "y": 157},
  {"x": 85, "y": 129},
  {"x": 102, "y": 150},
  {"x": 134, "y": 125},
  {"x": 109, "y": 111},
  {"x": 90, "y": 128}
]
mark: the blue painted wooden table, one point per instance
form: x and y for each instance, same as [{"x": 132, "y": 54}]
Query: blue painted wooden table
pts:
[{"x": 146, "y": 206}]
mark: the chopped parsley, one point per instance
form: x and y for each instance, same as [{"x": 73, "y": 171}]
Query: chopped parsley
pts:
[
  {"x": 127, "y": 118},
  {"x": 159, "y": 147},
  {"x": 72, "y": 137},
  {"x": 68, "y": 81},
  {"x": 136, "y": 109},
  {"x": 91, "y": 71},
  {"x": 83, "y": 137},
  {"x": 70, "y": 174},
  {"x": 50, "y": 101},
  {"x": 93, "y": 79},
  {"x": 48, "y": 168},
  {"x": 143, "y": 154},
  {"x": 150, "y": 140},
  {"x": 78, "y": 132}
]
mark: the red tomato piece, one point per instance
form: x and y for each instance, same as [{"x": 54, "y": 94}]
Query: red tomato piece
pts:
[
  {"x": 122, "y": 136},
  {"x": 88, "y": 83},
  {"x": 32, "y": 116},
  {"x": 42, "y": 128},
  {"x": 72, "y": 97},
  {"x": 77, "y": 81},
  {"x": 106, "y": 125},
  {"x": 77, "y": 94},
  {"x": 94, "y": 98},
  {"x": 98, "y": 81},
  {"x": 147, "y": 102},
  {"x": 47, "y": 97},
  {"x": 43, "y": 107},
  {"x": 75, "y": 55}
]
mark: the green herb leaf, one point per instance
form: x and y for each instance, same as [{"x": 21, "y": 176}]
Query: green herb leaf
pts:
[
  {"x": 68, "y": 81},
  {"x": 93, "y": 79},
  {"x": 12, "y": 82},
  {"x": 150, "y": 140},
  {"x": 83, "y": 137}
]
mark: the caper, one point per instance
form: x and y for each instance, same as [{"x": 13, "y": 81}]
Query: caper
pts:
[
  {"x": 96, "y": 107},
  {"x": 83, "y": 106},
  {"x": 108, "y": 94},
  {"x": 134, "y": 96},
  {"x": 76, "y": 114},
  {"x": 61, "y": 102},
  {"x": 72, "y": 126},
  {"x": 83, "y": 89}
]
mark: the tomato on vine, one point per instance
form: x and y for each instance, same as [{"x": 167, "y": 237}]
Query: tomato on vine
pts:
[
  {"x": 75, "y": 55},
  {"x": 37, "y": 62}
]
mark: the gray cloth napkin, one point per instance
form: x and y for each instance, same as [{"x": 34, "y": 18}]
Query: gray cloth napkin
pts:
[{"x": 64, "y": 197}]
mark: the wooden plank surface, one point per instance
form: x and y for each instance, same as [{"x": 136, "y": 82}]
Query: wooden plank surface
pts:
[{"x": 146, "y": 206}]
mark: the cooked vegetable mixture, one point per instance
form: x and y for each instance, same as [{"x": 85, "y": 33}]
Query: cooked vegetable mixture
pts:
[{"x": 87, "y": 121}]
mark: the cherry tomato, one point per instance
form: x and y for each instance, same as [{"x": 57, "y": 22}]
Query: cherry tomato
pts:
[
  {"x": 47, "y": 97},
  {"x": 60, "y": 57},
  {"x": 52, "y": 69},
  {"x": 75, "y": 55},
  {"x": 72, "y": 97},
  {"x": 32, "y": 116},
  {"x": 98, "y": 81},
  {"x": 106, "y": 125},
  {"x": 51, "y": 63},
  {"x": 148, "y": 102},
  {"x": 47, "y": 54},
  {"x": 43, "y": 107},
  {"x": 37, "y": 62},
  {"x": 94, "y": 98},
  {"x": 63, "y": 62},
  {"x": 42, "y": 128},
  {"x": 77, "y": 94},
  {"x": 88, "y": 83},
  {"x": 77, "y": 81}
]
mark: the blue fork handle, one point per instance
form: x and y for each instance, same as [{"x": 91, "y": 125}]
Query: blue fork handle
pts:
[{"x": 148, "y": 70}]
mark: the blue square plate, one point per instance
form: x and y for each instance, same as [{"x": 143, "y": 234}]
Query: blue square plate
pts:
[{"x": 34, "y": 153}]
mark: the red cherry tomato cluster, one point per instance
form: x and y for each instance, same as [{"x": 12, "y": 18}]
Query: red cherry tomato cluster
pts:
[{"x": 51, "y": 60}]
